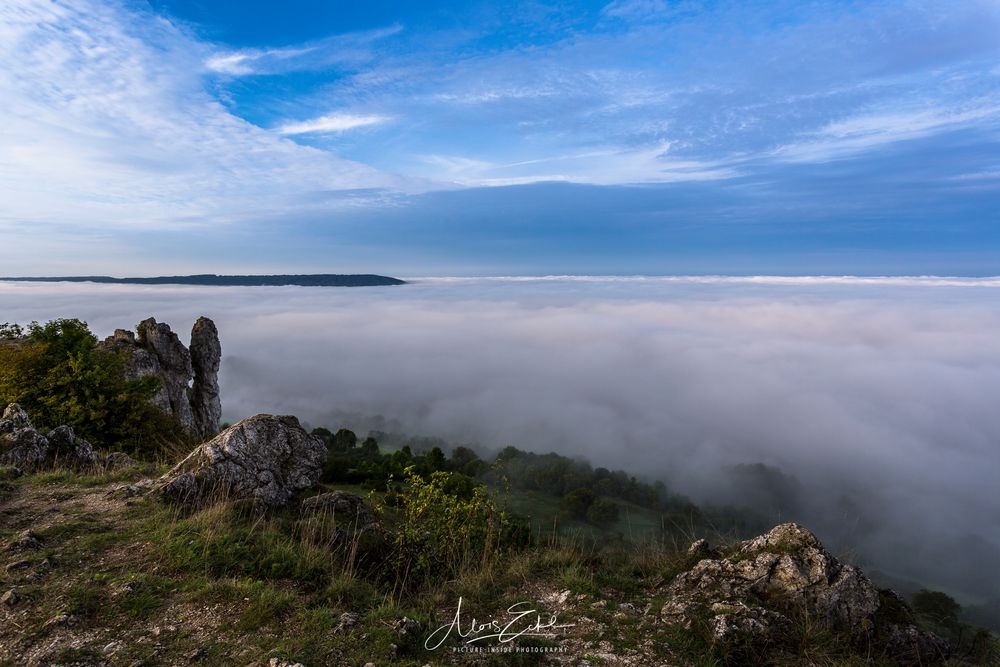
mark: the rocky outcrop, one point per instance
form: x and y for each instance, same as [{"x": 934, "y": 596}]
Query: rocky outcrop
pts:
[
  {"x": 23, "y": 447},
  {"x": 206, "y": 356},
  {"x": 173, "y": 363},
  {"x": 65, "y": 446},
  {"x": 754, "y": 593},
  {"x": 188, "y": 377},
  {"x": 263, "y": 458}
]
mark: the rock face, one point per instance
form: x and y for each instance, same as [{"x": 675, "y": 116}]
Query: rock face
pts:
[
  {"x": 264, "y": 458},
  {"x": 189, "y": 377},
  {"x": 206, "y": 356},
  {"x": 23, "y": 447},
  {"x": 753, "y": 594}
]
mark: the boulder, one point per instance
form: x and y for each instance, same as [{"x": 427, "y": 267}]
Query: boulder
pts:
[
  {"x": 66, "y": 448},
  {"x": 118, "y": 461},
  {"x": 14, "y": 417},
  {"x": 23, "y": 448},
  {"x": 264, "y": 458},
  {"x": 752, "y": 594}
]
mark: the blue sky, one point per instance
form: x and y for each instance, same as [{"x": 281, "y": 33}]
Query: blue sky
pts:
[{"x": 636, "y": 136}]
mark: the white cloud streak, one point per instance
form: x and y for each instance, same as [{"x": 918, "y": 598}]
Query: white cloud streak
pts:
[{"x": 337, "y": 122}]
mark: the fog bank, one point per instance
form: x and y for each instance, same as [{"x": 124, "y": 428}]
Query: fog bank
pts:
[{"x": 878, "y": 396}]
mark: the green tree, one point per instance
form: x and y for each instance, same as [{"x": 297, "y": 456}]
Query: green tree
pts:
[
  {"x": 577, "y": 502},
  {"x": 434, "y": 460},
  {"x": 344, "y": 440},
  {"x": 60, "y": 375},
  {"x": 602, "y": 512},
  {"x": 937, "y": 606}
]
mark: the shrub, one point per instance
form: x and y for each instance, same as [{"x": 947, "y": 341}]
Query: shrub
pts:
[
  {"x": 440, "y": 532},
  {"x": 576, "y": 503},
  {"x": 60, "y": 375},
  {"x": 602, "y": 512}
]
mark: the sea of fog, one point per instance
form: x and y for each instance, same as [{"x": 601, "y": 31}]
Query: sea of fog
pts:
[{"x": 878, "y": 400}]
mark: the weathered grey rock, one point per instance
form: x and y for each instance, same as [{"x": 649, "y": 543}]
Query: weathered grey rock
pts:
[
  {"x": 10, "y": 598},
  {"x": 751, "y": 594},
  {"x": 66, "y": 448},
  {"x": 346, "y": 509},
  {"x": 279, "y": 662},
  {"x": 23, "y": 447},
  {"x": 264, "y": 458},
  {"x": 206, "y": 356},
  {"x": 347, "y": 621},
  {"x": 27, "y": 449},
  {"x": 24, "y": 541},
  {"x": 14, "y": 417},
  {"x": 189, "y": 385},
  {"x": 118, "y": 461},
  {"x": 175, "y": 370},
  {"x": 407, "y": 627}
]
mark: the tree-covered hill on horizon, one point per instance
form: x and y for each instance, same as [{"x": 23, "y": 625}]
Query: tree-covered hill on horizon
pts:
[{"x": 278, "y": 280}]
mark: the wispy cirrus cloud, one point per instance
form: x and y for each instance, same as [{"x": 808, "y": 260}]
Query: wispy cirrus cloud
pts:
[
  {"x": 350, "y": 49},
  {"x": 108, "y": 124},
  {"x": 336, "y": 122}
]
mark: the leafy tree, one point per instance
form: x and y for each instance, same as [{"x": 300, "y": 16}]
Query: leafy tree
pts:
[
  {"x": 576, "y": 503},
  {"x": 344, "y": 440},
  {"x": 434, "y": 460},
  {"x": 602, "y": 512},
  {"x": 324, "y": 434},
  {"x": 369, "y": 447},
  {"x": 461, "y": 457},
  {"x": 60, "y": 375},
  {"x": 937, "y": 606},
  {"x": 10, "y": 331}
]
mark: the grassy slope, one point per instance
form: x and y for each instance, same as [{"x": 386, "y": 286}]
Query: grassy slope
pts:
[{"x": 221, "y": 587}]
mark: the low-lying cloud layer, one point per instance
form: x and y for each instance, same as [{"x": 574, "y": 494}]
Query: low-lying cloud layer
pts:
[{"x": 879, "y": 397}]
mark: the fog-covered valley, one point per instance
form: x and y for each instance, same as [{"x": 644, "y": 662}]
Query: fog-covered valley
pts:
[{"x": 870, "y": 403}]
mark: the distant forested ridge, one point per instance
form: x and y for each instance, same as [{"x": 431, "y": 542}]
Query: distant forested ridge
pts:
[{"x": 308, "y": 280}]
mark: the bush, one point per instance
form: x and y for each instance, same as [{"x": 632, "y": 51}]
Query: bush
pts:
[
  {"x": 576, "y": 503},
  {"x": 440, "y": 532},
  {"x": 60, "y": 375},
  {"x": 602, "y": 512}
]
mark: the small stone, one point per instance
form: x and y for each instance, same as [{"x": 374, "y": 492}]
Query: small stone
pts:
[
  {"x": 347, "y": 621},
  {"x": 407, "y": 626},
  {"x": 10, "y": 598},
  {"x": 24, "y": 541},
  {"x": 18, "y": 565},
  {"x": 628, "y": 608},
  {"x": 113, "y": 647},
  {"x": 63, "y": 619}
]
